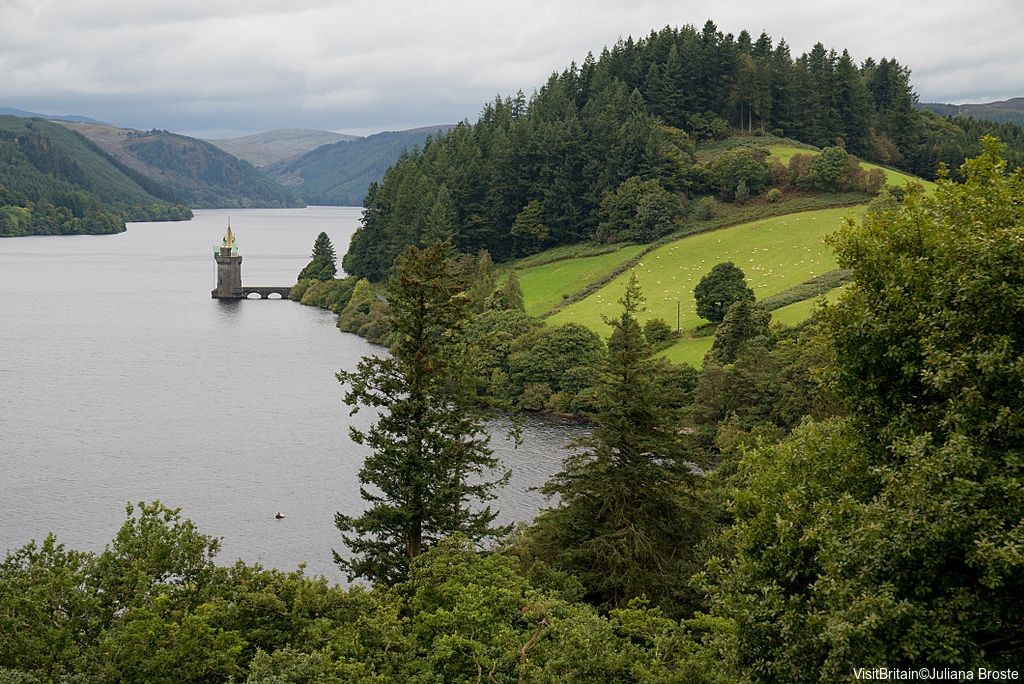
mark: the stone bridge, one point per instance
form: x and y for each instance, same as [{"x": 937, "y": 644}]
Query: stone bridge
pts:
[{"x": 265, "y": 292}]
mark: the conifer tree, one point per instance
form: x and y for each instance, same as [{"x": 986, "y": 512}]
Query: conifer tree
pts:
[
  {"x": 323, "y": 265},
  {"x": 425, "y": 477},
  {"x": 628, "y": 521}
]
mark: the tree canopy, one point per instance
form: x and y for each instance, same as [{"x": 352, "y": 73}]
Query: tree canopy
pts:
[
  {"x": 430, "y": 462},
  {"x": 724, "y": 285},
  {"x": 322, "y": 265}
]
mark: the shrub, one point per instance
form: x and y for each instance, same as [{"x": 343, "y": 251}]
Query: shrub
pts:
[
  {"x": 707, "y": 208},
  {"x": 535, "y": 396},
  {"x": 657, "y": 331},
  {"x": 773, "y": 195},
  {"x": 746, "y": 164},
  {"x": 874, "y": 180}
]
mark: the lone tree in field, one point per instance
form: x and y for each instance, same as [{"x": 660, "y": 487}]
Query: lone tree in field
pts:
[
  {"x": 722, "y": 287},
  {"x": 323, "y": 266},
  {"x": 425, "y": 478}
]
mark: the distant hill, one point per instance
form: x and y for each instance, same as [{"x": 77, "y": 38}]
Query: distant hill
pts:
[
  {"x": 54, "y": 181},
  {"x": 10, "y": 111},
  {"x": 1003, "y": 111},
  {"x": 340, "y": 173},
  {"x": 279, "y": 144},
  {"x": 199, "y": 174}
]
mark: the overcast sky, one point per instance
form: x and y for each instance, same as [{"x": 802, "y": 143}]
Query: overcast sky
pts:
[{"x": 230, "y": 67}]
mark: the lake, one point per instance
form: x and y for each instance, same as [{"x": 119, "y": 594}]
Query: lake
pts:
[{"x": 122, "y": 380}]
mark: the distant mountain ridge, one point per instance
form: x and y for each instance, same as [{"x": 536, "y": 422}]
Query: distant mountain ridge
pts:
[
  {"x": 54, "y": 181},
  {"x": 1002, "y": 111},
  {"x": 200, "y": 174},
  {"x": 341, "y": 173},
  {"x": 267, "y": 147},
  {"x": 21, "y": 113}
]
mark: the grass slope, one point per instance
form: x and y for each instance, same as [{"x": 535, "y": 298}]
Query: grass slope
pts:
[
  {"x": 892, "y": 177},
  {"x": 775, "y": 253},
  {"x": 546, "y": 285},
  {"x": 800, "y": 311}
]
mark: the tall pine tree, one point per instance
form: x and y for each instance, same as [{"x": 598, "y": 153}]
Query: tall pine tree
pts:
[{"x": 427, "y": 473}]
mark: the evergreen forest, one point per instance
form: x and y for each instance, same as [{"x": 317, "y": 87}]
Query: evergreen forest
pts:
[
  {"x": 533, "y": 173},
  {"x": 53, "y": 181}
]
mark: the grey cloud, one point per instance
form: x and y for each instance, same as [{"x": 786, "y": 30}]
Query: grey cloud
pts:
[{"x": 246, "y": 65}]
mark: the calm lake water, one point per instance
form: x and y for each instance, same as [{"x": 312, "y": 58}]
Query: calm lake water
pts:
[{"x": 121, "y": 380}]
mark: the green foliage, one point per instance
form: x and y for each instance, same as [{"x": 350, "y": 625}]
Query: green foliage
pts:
[
  {"x": 827, "y": 168},
  {"x": 637, "y": 211},
  {"x": 744, "y": 321},
  {"x": 628, "y": 520},
  {"x": 430, "y": 452},
  {"x": 893, "y": 535},
  {"x": 774, "y": 195},
  {"x": 332, "y": 295},
  {"x": 528, "y": 229},
  {"x": 482, "y": 278},
  {"x": 461, "y": 614},
  {"x": 322, "y": 266},
  {"x": 548, "y": 353},
  {"x": 509, "y": 297},
  {"x": 706, "y": 208},
  {"x": 55, "y": 182},
  {"x": 657, "y": 331},
  {"x": 357, "y": 310},
  {"x": 740, "y": 164},
  {"x": 724, "y": 285}
]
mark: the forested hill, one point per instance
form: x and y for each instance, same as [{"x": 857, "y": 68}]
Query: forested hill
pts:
[
  {"x": 531, "y": 173},
  {"x": 200, "y": 174},
  {"x": 53, "y": 181},
  {"x": 1004, "y": 111},
  {"x": 341, "y": 173}
]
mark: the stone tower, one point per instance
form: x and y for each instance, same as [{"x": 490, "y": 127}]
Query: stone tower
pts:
[{"x": 229, "y": 269}]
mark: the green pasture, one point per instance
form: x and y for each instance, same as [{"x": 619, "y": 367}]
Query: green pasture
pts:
[
  {"x": 689, "y": 350},
  {"x": 892, "y": 177},
  {"x": 544, "y": 286},
  {"x": 775, "y": 253},
  {"x": 798, "y": 312}
]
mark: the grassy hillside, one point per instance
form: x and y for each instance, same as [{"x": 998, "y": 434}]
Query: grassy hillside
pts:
[
  {"x": 54, "y": 181},
  {"x": 892, "y": 177},
  {"x": 199, "y": 174},
  {"x": 774, "y": 253},
  {"x": 340, "y": 173},
  {"x": 546, "y": 285},
  {"x": 279, "y": 144}
]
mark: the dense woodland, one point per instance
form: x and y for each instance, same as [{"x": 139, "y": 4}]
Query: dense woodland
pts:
[
  {"x": 55, "y": 182},
  {"x": 204, "y": 176},
  {"x": 533, "y": 172}
]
